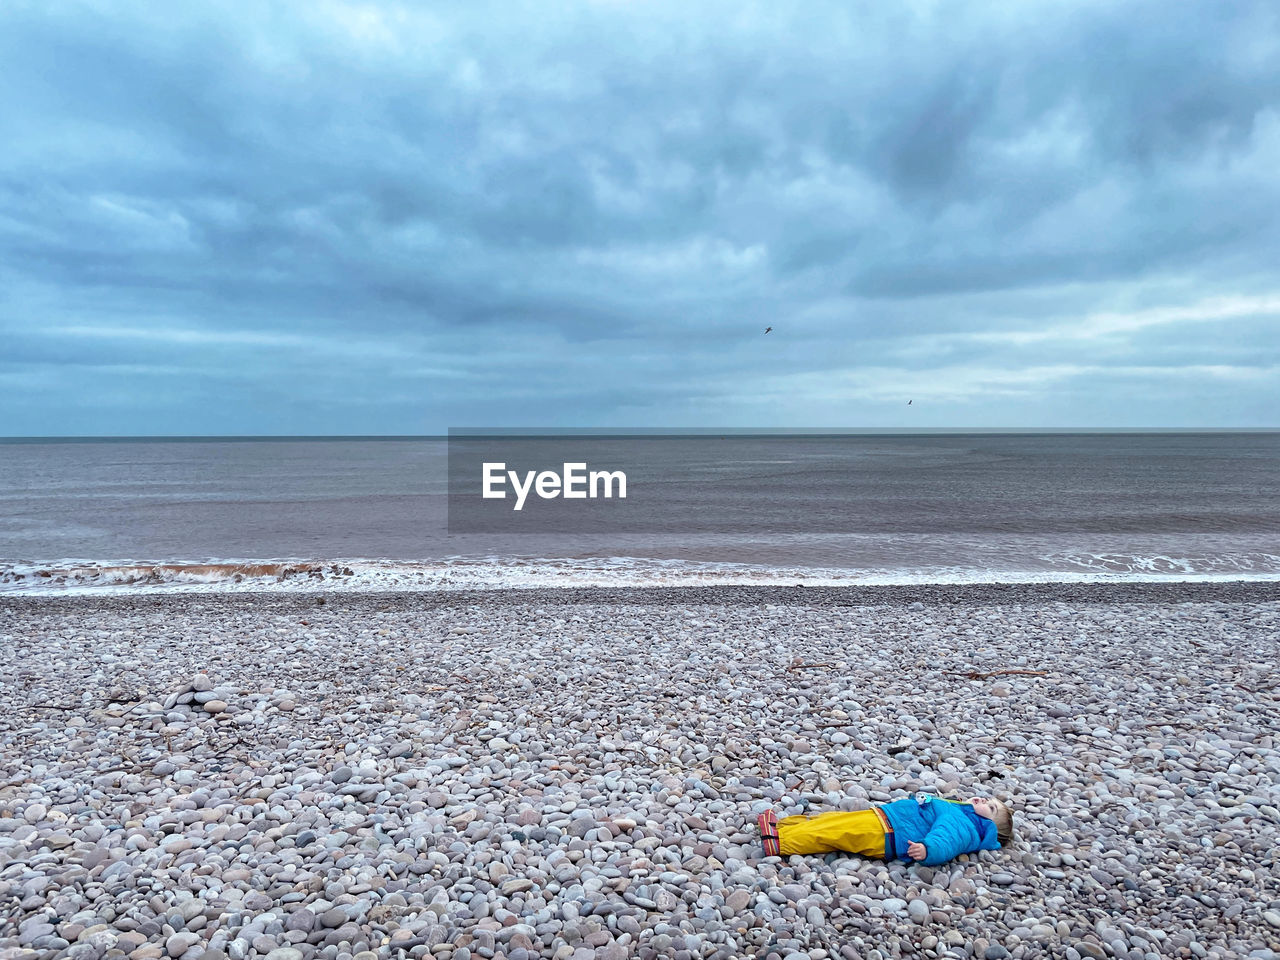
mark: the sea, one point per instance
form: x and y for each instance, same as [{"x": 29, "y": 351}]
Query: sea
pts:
[{"x": 233, "y": 514}]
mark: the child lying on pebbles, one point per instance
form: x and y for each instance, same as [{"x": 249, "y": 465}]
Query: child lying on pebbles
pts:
[{"x": 919, "y": 827}]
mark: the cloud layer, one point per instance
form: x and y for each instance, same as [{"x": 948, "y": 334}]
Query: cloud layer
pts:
[{"x": 379, "y": 218}]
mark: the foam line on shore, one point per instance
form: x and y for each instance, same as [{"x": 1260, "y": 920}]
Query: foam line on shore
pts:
[{"x": 494, "y": 573}]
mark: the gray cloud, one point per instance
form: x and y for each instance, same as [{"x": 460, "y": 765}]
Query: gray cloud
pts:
[{"x": 387, "y": 219}]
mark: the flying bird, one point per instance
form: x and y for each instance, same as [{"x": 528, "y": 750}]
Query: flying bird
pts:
[{"x": 767, "y": 329}]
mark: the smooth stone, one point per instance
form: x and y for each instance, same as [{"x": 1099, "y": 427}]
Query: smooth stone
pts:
[{"x": 180, "y": 943}]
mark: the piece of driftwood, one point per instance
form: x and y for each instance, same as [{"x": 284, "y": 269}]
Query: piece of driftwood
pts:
[{"x": 1262, "y": 689}]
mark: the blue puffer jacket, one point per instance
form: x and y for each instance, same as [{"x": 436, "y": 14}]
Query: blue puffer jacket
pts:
[{"x": 947, "y": 828}]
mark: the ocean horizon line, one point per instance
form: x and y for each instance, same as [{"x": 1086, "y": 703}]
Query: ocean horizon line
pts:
[{"x": 657, "y": 432}]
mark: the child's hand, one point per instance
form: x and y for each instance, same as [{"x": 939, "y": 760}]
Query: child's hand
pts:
[{"x": 917, "y": 851}]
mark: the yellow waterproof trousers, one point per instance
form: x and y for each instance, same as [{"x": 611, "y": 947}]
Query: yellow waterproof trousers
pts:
[{"x": 859, "y": 831}]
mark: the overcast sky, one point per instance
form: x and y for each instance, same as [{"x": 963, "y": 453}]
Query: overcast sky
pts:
[{"x": 375, "y": 218}]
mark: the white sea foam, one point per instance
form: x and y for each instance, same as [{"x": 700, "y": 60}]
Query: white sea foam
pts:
[{"x": 81, "y": 577}]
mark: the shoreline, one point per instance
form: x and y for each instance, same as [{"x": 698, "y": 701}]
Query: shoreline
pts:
[
  {"x": 574, "y": 774},
  {"x": 1152, "y": 564},
  {"x": 1190, "y": 591}
]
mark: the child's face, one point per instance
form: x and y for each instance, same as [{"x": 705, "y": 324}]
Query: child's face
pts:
[{"x": 983, "y": 807}]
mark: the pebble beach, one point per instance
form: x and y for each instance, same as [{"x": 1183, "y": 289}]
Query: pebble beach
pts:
[{"x": 575, "y": 774}]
